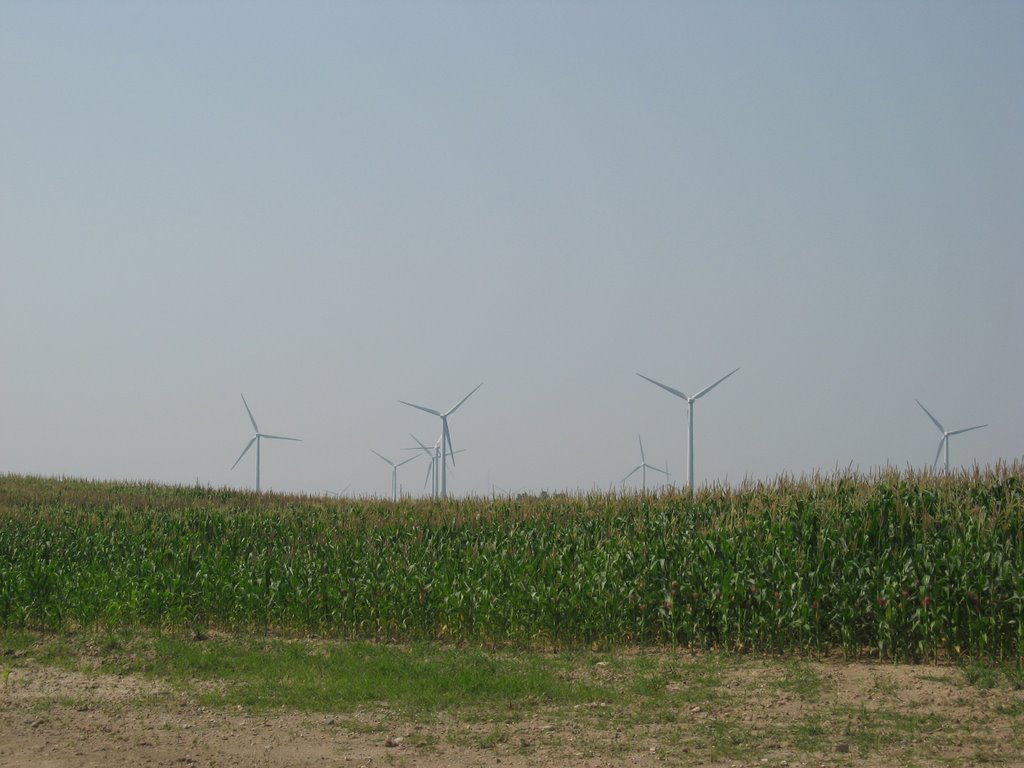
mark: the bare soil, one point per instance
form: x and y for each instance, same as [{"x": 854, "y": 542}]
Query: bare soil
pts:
[{"x": 861, "y": 714}]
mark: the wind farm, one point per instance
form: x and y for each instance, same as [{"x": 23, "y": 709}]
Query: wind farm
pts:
[{"x": 442, "y": 451}]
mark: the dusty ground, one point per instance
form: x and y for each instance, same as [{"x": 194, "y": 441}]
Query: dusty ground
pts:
[{"x": 857, "y": 714}]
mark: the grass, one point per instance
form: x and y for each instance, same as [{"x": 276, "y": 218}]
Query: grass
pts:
[
  {"x": 871, "y": 731},
  {"x": 799, "y": 678},
  {"x": 417, "y": 680},
  {"x": 610, "y": 704}
]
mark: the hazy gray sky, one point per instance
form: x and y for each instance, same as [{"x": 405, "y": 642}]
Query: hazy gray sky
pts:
[{"x": 331, "y": 206}]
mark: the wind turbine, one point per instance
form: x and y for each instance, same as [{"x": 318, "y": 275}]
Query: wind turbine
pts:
[
  {"x": 512, "y": 493},
  {"x": 944, "y": 441},
  {"x": 668, "y": 479},
  {"x": 446, "y": 437},
  {"x": 256, "y": 439},
  {"x": 340, "y": 494},
  {"x": 435, "y": 456},
  {"x": 394, "y": 472},
  {"x": 432, "y": 469},
  {"x": 642, "y": 467},
  {"x": 689, "y": 417}
]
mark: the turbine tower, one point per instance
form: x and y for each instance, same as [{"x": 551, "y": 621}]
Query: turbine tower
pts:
[
  {"x": 689, "y": 418},
  {"x": 394, "y": 472},
  {"x": 642, "y": 468},
  {"x": 256, "y": 439},
  {"x": 944, "y": 440},
  {"x": 446, "y": 436}
]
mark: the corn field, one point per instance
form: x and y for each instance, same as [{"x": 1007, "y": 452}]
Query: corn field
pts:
[{"x": 901, "y": 565}]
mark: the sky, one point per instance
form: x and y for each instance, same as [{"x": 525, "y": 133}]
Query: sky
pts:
[{"x": 333, "y": 206}]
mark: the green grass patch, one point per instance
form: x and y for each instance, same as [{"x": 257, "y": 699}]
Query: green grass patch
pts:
[
  {"x": 994, "y": 675},
  {"x": 416, "y": 679},
  {"x": 14, "y": 641},
  {"x": 799, "y": 678},
  {"x": 877, "y": 729},
  {"x": 727, "y": 739}
]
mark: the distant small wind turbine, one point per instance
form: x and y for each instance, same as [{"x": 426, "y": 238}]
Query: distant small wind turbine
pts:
[
  {"x": 689, "y": 417},
  {"x": 435, "y": 458},
  {"x": 512, "y": 493},
  {"x": 944, "y": 440},
  {"x": 642, "y": 468},
  {"x": 394, "y": 472},
  {"x": 340, "y": 493},
  {"x": 256, "y": 439},
  {"x": 446, "y": 436},
  {"x": 432, "y": 453}
]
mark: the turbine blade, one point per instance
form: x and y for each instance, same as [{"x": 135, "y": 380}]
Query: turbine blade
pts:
[
  {"x": 422, "y": 408},
  {"x": 245, "y": 451},
  {"x": 657, "y": 470},
  {"x": 635, "y": 470},
  {"x": 666, "y": 387},
  {"x": 278, "y": 437},
  {"x": 939, "y": 451},
  {"x": 430, "y": 468},
  {"x": 429, "y": 451},
  {"x": 455, "y": 407},
  {"x": 643, "y": 459},
  {"x": 708, "y": 389},
  {"x": 961, "y": 431},
  {"x": 416, "y": 456},
  {"x": 934, "y": 420},
  {"x": 383, "y": 458},
  {"x": 254, "y": 427}
]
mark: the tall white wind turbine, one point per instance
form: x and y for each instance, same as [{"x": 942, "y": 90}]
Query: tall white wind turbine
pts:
[
  {"x": 256, "y": 439},
  {"x": 642, "y": 468},
  {"x": 394, "y": 472},
  {"x": 944, "y": 440},
  {"x": 689, "y": 417},
  {"x": 446, "y": 436}
]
